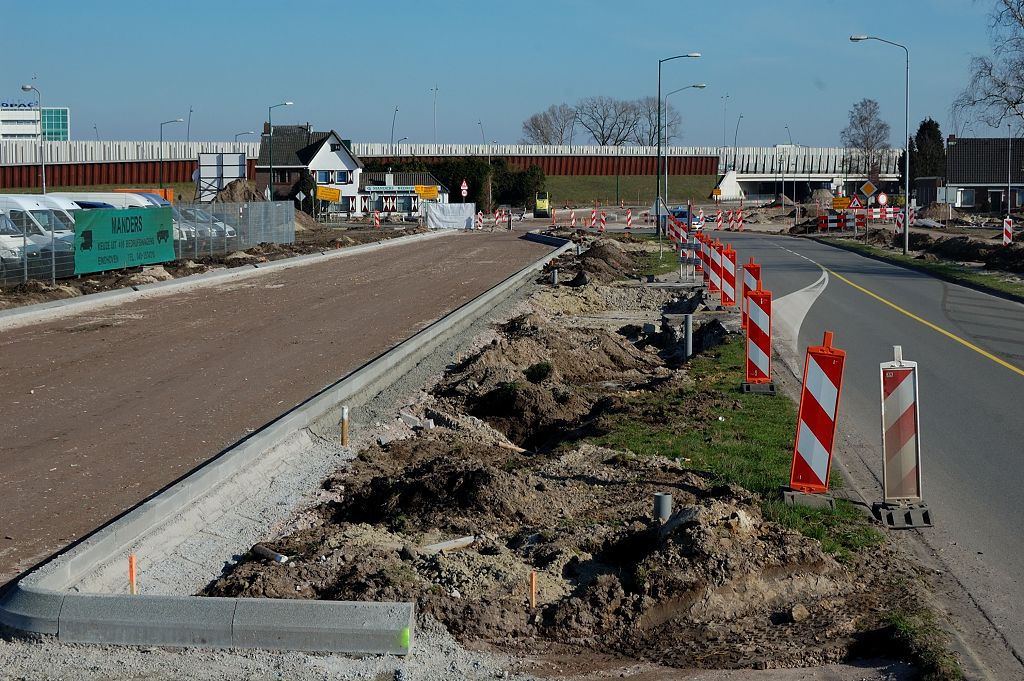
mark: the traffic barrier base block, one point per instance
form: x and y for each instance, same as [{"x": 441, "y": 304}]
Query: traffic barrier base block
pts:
[
  {"x": 759, "y": 388},
  {"x": 793, "y": 497}
]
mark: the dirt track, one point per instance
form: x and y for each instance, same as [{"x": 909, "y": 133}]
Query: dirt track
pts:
[{"x": 102, "y": 409}]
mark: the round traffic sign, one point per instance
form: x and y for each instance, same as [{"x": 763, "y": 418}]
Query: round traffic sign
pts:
[
  {"x": 882, "y": 198},
  {"x": 465, "y": 192}
]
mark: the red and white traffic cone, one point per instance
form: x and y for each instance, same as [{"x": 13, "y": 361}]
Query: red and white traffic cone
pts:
[
  {"x": 816, "y": 420},
  {"x": 758, "y": 374},
  {"x": 604, "y": 218},
  {"x": 376, "y": 219}
]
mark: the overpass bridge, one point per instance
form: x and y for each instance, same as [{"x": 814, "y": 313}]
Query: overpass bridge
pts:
[{"x": 749, "y": 172}]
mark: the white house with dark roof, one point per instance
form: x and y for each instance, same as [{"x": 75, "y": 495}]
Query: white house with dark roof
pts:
[{"x": 298, "y": 149}]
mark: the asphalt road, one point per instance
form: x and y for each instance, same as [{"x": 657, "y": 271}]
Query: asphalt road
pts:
[
  {"x": 972, "y": 433},
  {"x": 103, "y": 408}
]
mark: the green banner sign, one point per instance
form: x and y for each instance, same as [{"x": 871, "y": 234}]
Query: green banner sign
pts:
[{"x": 111, "y": 239}]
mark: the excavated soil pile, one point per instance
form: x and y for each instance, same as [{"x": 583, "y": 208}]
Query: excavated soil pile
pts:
[
  {"x": 239, "y": 191},
  {"x": 607, "y": 260},
  {"x": 504, "y": 467}
]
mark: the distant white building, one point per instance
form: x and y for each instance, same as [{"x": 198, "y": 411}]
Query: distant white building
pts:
[{"x": 20, "y": 120}]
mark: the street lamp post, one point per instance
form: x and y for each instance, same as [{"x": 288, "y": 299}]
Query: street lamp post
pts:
[
  {"x": 483, "y": 140},
  {"x": 906, "y": 138},
  {"x": 393, "y": 117},
  {"x": 39, "y": 105},
  {"x": 270, "y": 147},
  {"x": 174, "y": 120},
  {"x": 796, "y": 206},
  {"x": 698, "y": 86},
  {"x": 247, "y": 132},
  {"x": 657, "y": 178},
  {"x": 434, "y": 90}
]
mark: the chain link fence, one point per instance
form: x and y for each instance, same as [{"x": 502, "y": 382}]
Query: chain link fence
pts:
[{"x": 42, "y": 245}]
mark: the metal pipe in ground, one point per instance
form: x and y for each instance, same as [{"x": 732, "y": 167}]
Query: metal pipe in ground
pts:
[
  {"x": 662, "y": 507},
  {"x": 688, "y": 335},
  {"x": 554, "y": 277},
  {"x": 344, "y": 426}
]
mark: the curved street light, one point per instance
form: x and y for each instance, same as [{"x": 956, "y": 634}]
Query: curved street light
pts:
[
  {"x": 270, "y": 146},
  {"x": 247, "y": 132},
  {"x": 657, "y": 178},
  {"x": 906, "y": 137},
  {"x": 173, "y": 120},
  {"x": 393, "y": 117},
  {"x": 39, "y": 105}
]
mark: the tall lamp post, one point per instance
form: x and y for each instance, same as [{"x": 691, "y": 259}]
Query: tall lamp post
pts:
[
  {"x": 434, "y": 90},
  {"x": 39, "y": 105},
  {"x": 270, "y": 146},
  {"x": 657, "y": 178},
  {"x": 796, "y": 206},
  {"x": 483, "y": 140},
  {"x": 247, "y": 132},
  {"x": 698, "y": 86},
  {"x": 735, "y": 134},
  {"x": 393, "y": 117},
  {"x": 173, "y": 120},
  {"x": 906, "y": 138}
]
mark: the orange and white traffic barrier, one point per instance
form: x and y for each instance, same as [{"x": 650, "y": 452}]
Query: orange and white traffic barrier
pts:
[
  {"x": 758, "y": 375},
  {"x": 497, "y": 218},
  {"x": 604, "y": 220},
  {"x": 728, "y": 276},
  {"x": 739, "y": 219},
  {"x": 816, "y": 420},
  {"x": 751, "y": 275},
  {"x": 897, "y": 227},
  {"x": 902, "y": 504},
  {"x": 716, "y": 266},
  {"x": 718, "y": 219},
  {"x": 730, "y": 218},
  {"x": 1007, "y": 231},
  {"x": 554, "y": 220},
  {"x": 572, "y": 219},
  {"x": 593, "y": 218},
  {"x": 480, "y": 220},
  {"x": 705, "y": 258},
  {"x": 376, "y": 219},
  {"x": 629, "y": 218}
]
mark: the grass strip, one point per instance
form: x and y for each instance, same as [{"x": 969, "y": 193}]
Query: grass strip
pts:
[
  {"x": 989, "y": 282},
  {"x": 746, "y": 439},
  {"x": 927, "y": 642}
]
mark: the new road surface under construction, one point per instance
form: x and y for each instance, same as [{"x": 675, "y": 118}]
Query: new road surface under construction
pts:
[{"x": 107, "y": 406}]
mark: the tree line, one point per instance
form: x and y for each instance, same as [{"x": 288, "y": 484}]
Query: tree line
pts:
[{"x": 605, "y": 121}]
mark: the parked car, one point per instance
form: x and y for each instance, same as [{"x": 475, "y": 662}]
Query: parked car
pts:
[
  {"x": 207, "y": 225},
  {"x": 682, "y": 214},
  {"x": 13, "y": 249}
]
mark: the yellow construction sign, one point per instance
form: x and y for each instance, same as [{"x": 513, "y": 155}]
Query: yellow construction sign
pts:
[
  {"x": 332, "y": 194},
  {"x": 716, "y": 192},
  {"x": 427, "y": 192},
  {"x": 840, "y": 202}
]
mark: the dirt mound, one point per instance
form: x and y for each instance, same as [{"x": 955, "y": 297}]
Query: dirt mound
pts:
[
  {"x": 1007, "y": 259},
  {"x": 239, "y": 191},
  {"x": 606, "y": 261},
  {"x": 940, "y": 211},
  {"x": 303, "y": 221}
]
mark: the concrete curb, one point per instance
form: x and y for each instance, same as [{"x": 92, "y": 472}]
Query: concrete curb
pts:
[
  {"x": 28, "y": 314},
  {"x": 41, "y": 602}
]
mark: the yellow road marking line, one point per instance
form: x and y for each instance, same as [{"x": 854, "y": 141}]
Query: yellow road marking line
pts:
[{"x": 952, "y": 336}]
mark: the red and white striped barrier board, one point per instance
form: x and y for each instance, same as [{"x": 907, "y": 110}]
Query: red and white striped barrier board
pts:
[
  {"x": 728, "y": 276},
  {"x": 554, "y": 220},
  {"x": 718, "y": 219},
  {"x": 572, "y": 219},
  {"x": 376, "y": 219},
  {"x": 751, "y": 275},
  {"x": 480, "y": 220},
  {"x": 884, "y": 213},
  {"x": 830, "y": 222},
  {"x": 901, "y": 446},
  {"x": 759, "y": 335},
  {"x": 816, "y": 420},
  {"x": 698, "y": 253},
  {"x": 604, "y": 218},
  {"x": 629, "y": 218},
  {"x": 739, "y": 219},
  {"x": 731, "y": 219},
  {"x": 593, "y": 218},
  {"x": 898, "y": 226},
  {"x": 913, "y": 216},
  {"x": 1007, "y": 231},
  {"x": 497, "y": 218},
  {"x": 860, "y": 221},
  {"x": 716, "y": 266}
]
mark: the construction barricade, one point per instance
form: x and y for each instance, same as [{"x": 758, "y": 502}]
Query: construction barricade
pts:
[
  {"x": 572, "y": 219},
  {"x": 728, "y": 276},
  {"x": 593, "y": 218},
  {"x": 376, "y": 219},
  {"x": 739, "y": 219},
  {"x": 479, "y": 220},
  {"x": 731, "y": 219},
  {"x": 751, "y": 277},
  {"x": 758, "y": 374},
  {"x": 1007, "y": 231},
  {"x": 902, "y": 503},
  {"x": 715, "y": 253},
  {"x": 718, "y": 219},
  {"x": 629, "y": 218},
  {"x": 816, "y": 425}
]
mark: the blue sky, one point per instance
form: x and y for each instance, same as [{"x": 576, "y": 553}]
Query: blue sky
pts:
[{"x": 126, "y": 66}]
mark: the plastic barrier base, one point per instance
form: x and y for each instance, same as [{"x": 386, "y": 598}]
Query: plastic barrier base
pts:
[
  {"x": 793, "y": 497},
  {"x": 903, "y": 517},
  {"x": 759, "y": 388}
]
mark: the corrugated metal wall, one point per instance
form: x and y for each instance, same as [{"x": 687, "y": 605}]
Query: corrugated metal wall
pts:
[{"x": 594, "y": 165}]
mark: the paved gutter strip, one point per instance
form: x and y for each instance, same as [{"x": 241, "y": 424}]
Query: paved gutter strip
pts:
[
  {"x": 48, "y": 601},
  {"x": 29, "y": 314}
]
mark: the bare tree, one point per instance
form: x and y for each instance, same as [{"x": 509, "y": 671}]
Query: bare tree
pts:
[
  {"x": 609, "y": 121},
  {"x": 867, "y": 138},
  {"x": 995, "y": 90},
  {"x": 553, "y": 126},
  {"x": 646, "y": 132}
]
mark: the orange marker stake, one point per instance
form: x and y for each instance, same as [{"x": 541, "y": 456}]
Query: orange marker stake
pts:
[
  {"x": 131, "y": 574},
  {"x": 533, "y": 588}
]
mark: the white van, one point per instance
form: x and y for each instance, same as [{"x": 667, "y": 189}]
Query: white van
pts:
[
  {"x": 35, "y": 219},
  {"x": 64, "y": 208},
  {"x": 116, "y": 199}
]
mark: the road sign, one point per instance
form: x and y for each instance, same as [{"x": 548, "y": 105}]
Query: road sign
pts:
[
  {"x": 465, "y": 193},
  {"x": 855, "y": 203},
  {"x": 112, "y": 239},
  {"x": 300, "y": 196},
  {"x": 840, "y": 203},
  {"x": 882, "y": 198},
  {"x": 427, "y": 192},
  {"x": 464, "y": 186},
  {"x": 716, "y": 192},
  {"x": 867, "y": 189},
  {"x": 332, "y": 194}
]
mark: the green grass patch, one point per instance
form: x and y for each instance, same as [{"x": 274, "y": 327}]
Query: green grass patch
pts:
[
  {"x": 746, "y": 439},
  {"x": 635, "y": 190},
  {"x": 943, "y": 269},
  {"x": 927, "y": 643}
]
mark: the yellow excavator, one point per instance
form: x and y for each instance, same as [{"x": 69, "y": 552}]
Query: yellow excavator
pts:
[{"x": 542, "y": 205}]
